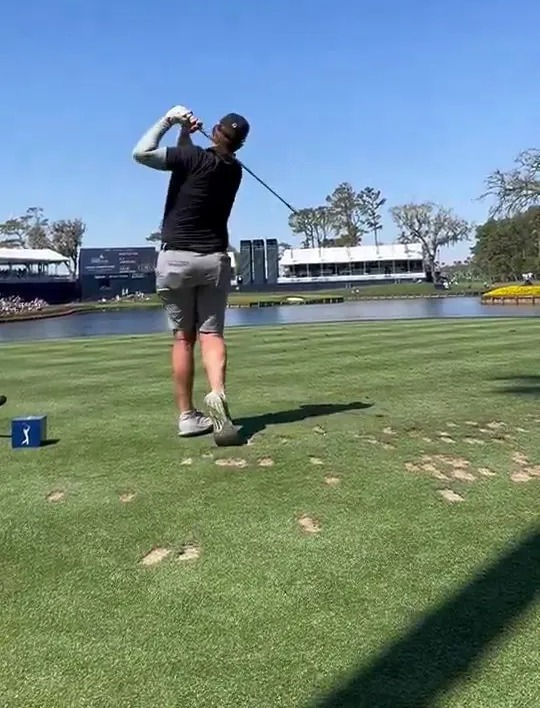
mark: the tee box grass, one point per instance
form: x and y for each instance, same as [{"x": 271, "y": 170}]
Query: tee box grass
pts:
[{"x": 377, "y": 544}]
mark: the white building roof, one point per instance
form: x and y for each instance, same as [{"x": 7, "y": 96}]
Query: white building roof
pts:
[
  {"x": 354, "y": 254},
  {"x": 30, "y": 255}
]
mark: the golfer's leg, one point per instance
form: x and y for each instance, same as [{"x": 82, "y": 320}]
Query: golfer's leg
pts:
[
  {"x": 211, "y": 305},
  {"x": 181, "y": 310},
  {"x": 180, "y": 307}
]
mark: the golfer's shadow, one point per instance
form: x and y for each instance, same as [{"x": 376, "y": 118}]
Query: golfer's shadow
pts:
[{"x": 256, "y": 424}]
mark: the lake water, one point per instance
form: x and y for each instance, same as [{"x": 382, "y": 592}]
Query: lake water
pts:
[{"x": 153, "y": 320}]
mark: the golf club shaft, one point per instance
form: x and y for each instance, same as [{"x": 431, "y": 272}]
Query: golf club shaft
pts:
[{"x": 259, "y": 180}]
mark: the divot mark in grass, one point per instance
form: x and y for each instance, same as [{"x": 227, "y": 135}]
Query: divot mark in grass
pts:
[
  {"x": 474, "y": 423},
  {"x": 520, "y": 476},
  {"x": 425, "y": 465},
  {"x": 332, "y": 481},
  {"x": 427, "y": 440},
  {"x": 452, "y": 425},
  {"x": 320, "y": 431},
  {"x": 520, "y": 458},
  {"x": 534, "y": 470},
  {"x": 495, "y": 425},
  {"x": 448, "y": 440},
  {"x": 155, "y": 556},
  {"x": 127, "y": 497},
  {"x": 388, "y": 446},
  {"x": 389, "y": 431},
  {"x": 486, "y": 472},
  {"x": 187, "y": 461},
  {"x": 450, "y": 496},
  {"x": 371, "y": 441},
  {"x": 433, "y": 471},
  {"x": 56, "y": 496},
  {"x": 462, "y": 475},
  {"x": 474, "y": 441},
  {"x": 190, "y": 552},
  {"x": 266, "y": 462},
  {"x": 456, "y": 467},
  {"x": 207, "y": 456},
  {"x": 521, "y": 430},
  {"x": 231, "y": 462},
  {"x": 455, "y": 462},
  {"x": 309, "y": 525},
  {"x": 316, "y": 461}
]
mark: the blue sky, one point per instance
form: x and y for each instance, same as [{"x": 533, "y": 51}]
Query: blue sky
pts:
[{"x": 419, "y": 98}]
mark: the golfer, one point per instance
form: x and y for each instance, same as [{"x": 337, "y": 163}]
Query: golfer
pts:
[{"x": 193, "y": 272}]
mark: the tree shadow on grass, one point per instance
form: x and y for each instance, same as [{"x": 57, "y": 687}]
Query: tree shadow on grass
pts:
[
  {"x": 256, "y": 424},
  {"x": 526, "y": 385},
  {"x": 427, "y": 661}
]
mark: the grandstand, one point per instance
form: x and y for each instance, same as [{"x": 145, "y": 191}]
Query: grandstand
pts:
[
  {"x": 36, "y": 273},
  {"x": 352, "y": 266}
]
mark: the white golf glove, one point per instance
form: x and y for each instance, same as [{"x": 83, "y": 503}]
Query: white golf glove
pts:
[{"x": 179, "y": 114}]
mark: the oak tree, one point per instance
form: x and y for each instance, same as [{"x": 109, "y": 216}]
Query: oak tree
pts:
[
  {"x": 517, "y": 189},
  {"x": 430, "y": 225}
]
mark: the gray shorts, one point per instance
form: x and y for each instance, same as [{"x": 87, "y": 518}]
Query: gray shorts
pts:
[{"x": 194, "y": 288}]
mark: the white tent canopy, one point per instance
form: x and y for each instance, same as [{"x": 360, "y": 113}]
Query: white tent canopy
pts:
[{"x": 31, "y": 255}]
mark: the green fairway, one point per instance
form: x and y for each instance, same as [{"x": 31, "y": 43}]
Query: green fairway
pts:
[
  {"x": 361, "y": 292},
  {"x": 376, "y": 546}
]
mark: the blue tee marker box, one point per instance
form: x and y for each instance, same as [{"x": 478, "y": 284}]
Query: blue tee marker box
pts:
[{"x": 30, "y": 431}]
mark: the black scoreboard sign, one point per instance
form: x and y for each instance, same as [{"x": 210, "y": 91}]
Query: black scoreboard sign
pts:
[{"x": 116, "y": 261}]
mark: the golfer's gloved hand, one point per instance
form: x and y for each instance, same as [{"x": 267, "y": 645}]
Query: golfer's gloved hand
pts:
[{"x": 179, "y": 114}]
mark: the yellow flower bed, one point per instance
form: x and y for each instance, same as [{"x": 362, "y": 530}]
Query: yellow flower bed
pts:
[{"x": 515, "y": 291}]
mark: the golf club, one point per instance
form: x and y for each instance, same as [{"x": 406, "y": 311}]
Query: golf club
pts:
[{"x": 259, "y": 180}]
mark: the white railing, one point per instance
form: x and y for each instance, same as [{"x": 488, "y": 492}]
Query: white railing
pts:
[{"x": 352, "y": 278}]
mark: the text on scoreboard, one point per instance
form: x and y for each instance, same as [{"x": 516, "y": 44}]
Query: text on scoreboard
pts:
[{"x": 108, "y": 261}]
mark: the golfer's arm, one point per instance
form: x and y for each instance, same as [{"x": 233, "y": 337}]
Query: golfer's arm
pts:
[
  {"x": 184, "y": 138},
  {"x": 147, "y": 151}
]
